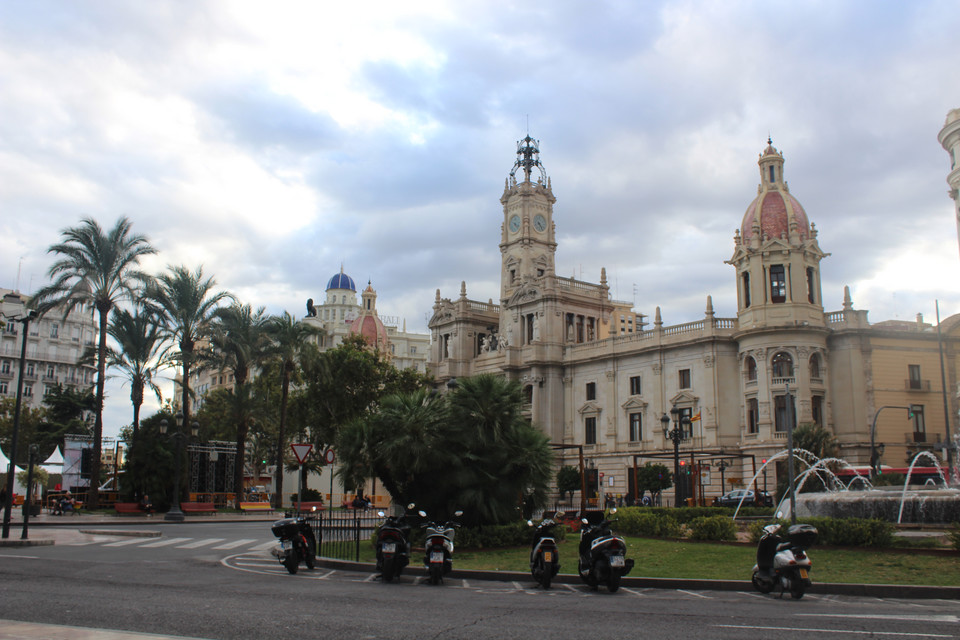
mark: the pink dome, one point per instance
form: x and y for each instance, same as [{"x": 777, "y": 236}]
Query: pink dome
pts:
[
  {"x": 775, "y": 208},
  {"x": 372, "y": 329}
]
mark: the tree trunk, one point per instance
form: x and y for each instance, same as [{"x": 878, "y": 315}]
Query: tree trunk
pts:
[
  {"x": 93, "y": 494},
  {"x": 238, "y": 466},
  {"x": 281, "y": 436}
]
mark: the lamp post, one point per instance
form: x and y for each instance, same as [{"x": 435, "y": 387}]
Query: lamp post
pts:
[
  {"x": 677, "y": 435},
  {"x": 27, "y": 506},
  {"x": 175, "y": 514},
  {"x": 10, "y": 302},
  {"x": 722, "y": 465}
]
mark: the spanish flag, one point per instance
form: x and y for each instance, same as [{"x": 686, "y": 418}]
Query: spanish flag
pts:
[{"x": 695, "y": 418}]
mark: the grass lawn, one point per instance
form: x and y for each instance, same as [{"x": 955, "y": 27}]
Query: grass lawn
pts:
[{"x": 670, "y": 559}]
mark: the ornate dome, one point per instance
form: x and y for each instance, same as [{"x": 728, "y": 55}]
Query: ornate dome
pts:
[
  {"x": 774, "y": 212},
  {"x": 341, "y": 281},
  {"x": 368, "y": 323}
]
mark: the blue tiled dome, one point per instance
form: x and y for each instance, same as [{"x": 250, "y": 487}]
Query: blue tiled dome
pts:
[{"x": 341, "y": 281}]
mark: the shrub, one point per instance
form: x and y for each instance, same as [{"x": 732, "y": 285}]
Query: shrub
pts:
[
  {"x": 713, "y": 528},
  {"x": 840, "y": 532},
  {"x": 309, "y": 495},
  {"x": 955, "y": 536},
  {"x": 647, "y": 522}
]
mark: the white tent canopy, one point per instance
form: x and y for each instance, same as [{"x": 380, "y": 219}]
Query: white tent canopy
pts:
[
  {"x": 55, "y": 458},
  {"x": 4, "y": 466}
]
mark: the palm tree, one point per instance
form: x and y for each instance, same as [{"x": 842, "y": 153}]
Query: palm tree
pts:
[
  {"x": 238, "y": 342},
  {"x": 97, "y": 269},
  {"x": 289, "y": 338},
  {"x": 140, "y": 346},
  {"x": 186, "y": 303}
]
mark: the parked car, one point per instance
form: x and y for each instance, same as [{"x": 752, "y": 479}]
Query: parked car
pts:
[{"x": 733, "y": 498}]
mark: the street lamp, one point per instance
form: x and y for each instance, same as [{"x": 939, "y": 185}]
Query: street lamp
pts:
[
  {"x": 677, "y": 435},
  {"x": 12, "y": 301},
  {"x": 722, "y": 465},
  {"x": 175, "y": 514}
]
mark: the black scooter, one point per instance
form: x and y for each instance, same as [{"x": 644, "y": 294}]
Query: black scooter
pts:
[
  {"x": 602, "y": 554},
  {"x": 393, "y": 546},
  {"x": 438, "y": 556},
  {"x": 544, "y": 556},
  {"x": 297, "y": 543}
]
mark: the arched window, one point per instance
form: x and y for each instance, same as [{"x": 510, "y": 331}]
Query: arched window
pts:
[
  {"x": 753, "y": 415},
  {"x": 528, "y": 394},
  {"x": 815, "y": 367},
  {"x": 782, "y": 365},
  {"x": 750, "y": 367}
]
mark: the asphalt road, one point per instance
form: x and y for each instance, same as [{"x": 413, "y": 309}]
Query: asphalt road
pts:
[{"x": 192, "y": 588}]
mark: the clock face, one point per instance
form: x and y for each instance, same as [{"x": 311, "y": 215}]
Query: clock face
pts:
[
  {"x": 539, "y": 223},
  {"x": 515, "y": 224}
]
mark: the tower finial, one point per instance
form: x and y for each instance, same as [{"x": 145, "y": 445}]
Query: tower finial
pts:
[{"x": 528, "y": 157}]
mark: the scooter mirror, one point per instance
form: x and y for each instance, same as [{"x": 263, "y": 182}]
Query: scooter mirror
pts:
[
  {"x": 423, "y": 514},
  {"x": 558, "y": 515},
  {"x": 458, "y": 513},
  {"x": 529, "y": 523},
  {"x": 381, "y": 513},
  {"x": 584, "y": 521},
  {"x": 613, "y": 511},
  {"x": 779, "y": 515},
  {"x": 410, "y": 506}
]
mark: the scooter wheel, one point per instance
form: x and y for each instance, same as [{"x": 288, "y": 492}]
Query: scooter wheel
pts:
[
  {"x": 545, "y": 573},
  {"x": 436, "y": 574},
  {"x": 387, "y": 572},
  {"x": 797, "y": 590},
  {"x": 310, "y": 559},
  {"x": 760, "y": 586},
  {"x": 613, "y": 581},
  {"x": 292, "y": 563}
]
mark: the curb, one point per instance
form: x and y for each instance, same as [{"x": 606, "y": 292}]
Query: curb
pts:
[
  {"x": 42, "y": 542},
  {"x": 832, "y": 588}
]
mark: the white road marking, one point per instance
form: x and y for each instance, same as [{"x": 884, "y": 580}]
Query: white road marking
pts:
[
  {"x": 633, "y": 591},
  {"x": 165, "y": 543},
  {"x": 236, "y": 543},
  {"x": 200, "y": 543},
  {"x": 124, "y": 543},
  {"x": 844, "y": 631},
  {"x": 691, "y": 593},
  {"x": 264, "y": 546},
  {"x": 879, "y": 616}
]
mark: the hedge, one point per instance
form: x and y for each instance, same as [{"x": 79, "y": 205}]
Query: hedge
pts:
[
  {"x": 713, "y": 528},
  {"x": 840, "y": 532}
]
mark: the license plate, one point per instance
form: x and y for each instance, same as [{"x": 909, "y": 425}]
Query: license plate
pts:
[
  {"x": 389, "y": 547},
  {"x": 286, "y": 545},
  {"x": 616, "y": 561},
  {"x": 548, "y": 556},
  {"x": 803, "y": 573},
  {"x": 436, "y": 556}
]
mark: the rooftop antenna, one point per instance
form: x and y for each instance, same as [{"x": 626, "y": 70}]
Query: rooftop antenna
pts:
[{"x": 19, "y": 267}]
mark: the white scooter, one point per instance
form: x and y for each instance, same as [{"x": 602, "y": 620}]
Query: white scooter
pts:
[{"x": 784, "y": 563}]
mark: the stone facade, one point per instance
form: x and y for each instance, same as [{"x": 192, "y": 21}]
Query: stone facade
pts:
[
  {"x": 596, "y": 376},
  {"x": 54, "y": 347},
  {"x": 950, "y": 139}
]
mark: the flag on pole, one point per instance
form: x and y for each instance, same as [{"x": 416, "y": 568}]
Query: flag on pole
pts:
[{"x": 695, "y": 418}]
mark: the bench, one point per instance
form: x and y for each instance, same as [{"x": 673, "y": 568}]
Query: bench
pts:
[
  {"x": 128, "y": 508},
  {"x": 309, "y": 506},
  {"x": 256, "y": 506},
  {"x": 198, "y": 507}
]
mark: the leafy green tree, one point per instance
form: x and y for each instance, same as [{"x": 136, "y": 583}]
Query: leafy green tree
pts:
[
  {"x": 30, "y": 425},
  {"x": 818, "y": 441},
  {"x": 471, "y": 448},
  {"x": 66, "y": 410},
  {"x": 139, "y": 347},
  {"x": 97, "y": 269},
  {"x": 289, "y": 341},
  {"x": 149, "y": 464},
  {"x": 568, "y": 481},
  {"x": 653, "y": 478}
]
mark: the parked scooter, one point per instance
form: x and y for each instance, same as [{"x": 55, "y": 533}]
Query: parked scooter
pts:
[
  {"x": 784, "y": 562},
  {"x": 602, "y": 554},
  {"x": 297, "y": 543},
  {"x": 438, "y": 558},
  {"x": 544, "y": 556},
  {"x": 393, "y": 546}
]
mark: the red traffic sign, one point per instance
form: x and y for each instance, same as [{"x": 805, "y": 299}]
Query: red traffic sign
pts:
[
  {"x": 329, "y": 457},
  {"x": 301, "y": 451}
]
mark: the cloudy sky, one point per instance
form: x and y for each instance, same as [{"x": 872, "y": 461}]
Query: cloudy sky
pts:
[{"x": 273, "y": 142}]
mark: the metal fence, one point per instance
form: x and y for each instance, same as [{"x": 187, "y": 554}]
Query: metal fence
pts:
[{"x": 341, "y": 532}]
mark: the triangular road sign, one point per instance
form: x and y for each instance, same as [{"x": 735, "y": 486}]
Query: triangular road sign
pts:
[{"x": 301, "y": 451}]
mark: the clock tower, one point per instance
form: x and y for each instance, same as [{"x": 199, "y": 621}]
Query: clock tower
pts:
[{"x": 528, "y": 242}]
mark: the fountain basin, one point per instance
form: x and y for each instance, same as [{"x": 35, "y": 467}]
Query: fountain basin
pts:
[{"x": 920, "y": 506}]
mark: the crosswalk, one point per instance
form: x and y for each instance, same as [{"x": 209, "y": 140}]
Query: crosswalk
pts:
[{"x": 216, "y": 544}]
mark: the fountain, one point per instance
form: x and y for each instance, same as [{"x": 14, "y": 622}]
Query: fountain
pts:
[{"x": 927, "y": 504}]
